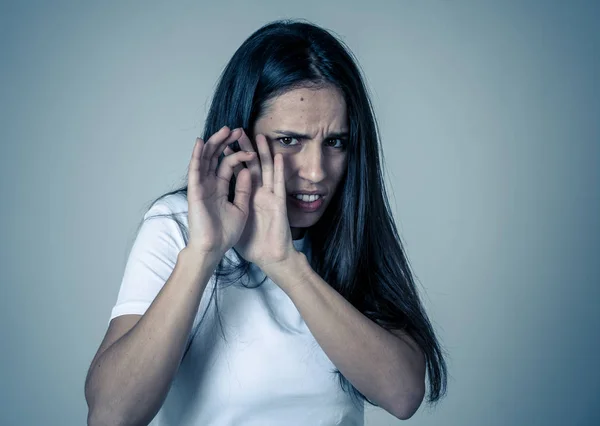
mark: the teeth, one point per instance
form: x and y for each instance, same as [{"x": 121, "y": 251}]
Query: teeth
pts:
[{"x": 307, "y": 198}]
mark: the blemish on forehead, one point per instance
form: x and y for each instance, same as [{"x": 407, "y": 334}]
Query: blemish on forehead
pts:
[{"x": 301, "y": 99}]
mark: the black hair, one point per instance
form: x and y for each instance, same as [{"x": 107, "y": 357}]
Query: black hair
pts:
[{"x": 355, "y": 245}]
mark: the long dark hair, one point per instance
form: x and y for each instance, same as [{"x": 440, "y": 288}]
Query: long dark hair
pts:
[{"x": 355, "y": 245}]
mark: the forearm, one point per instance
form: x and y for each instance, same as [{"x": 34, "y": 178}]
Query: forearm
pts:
[
  {"x": 383, "y": 367},
  {"x": 131, "y": 379}
]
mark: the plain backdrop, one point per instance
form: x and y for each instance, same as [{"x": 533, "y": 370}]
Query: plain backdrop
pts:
[{"x": 489, "y": 119}]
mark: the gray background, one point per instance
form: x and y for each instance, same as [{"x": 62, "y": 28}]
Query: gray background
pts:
[{"x": 489, "y": 117}]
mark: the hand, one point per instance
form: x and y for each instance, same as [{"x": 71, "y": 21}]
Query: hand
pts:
[
  {"x": 266, "y": 239},
  {"x": 215, "y": 224}
]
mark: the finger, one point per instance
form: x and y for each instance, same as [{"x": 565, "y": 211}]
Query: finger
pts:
[
  {"x": 243, "y": 188},
  {"x": 195, "y": 168},
  {"x": 233, "y": 136},
  {"x": 266, "y": 161},
  {"x": 279, "y": 184},
  {"x": 254, "y": 165},
  {"x": 236, "y": 169},
  {"x": 215, "y": 146},
  {"x": 228, "y": 164},
  {"x": 209, "y": 148}
]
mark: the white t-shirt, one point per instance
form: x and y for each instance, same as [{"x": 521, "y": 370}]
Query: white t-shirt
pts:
[{"x": 270, "y": 371}]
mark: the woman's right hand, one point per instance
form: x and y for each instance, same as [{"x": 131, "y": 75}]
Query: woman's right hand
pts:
[{"x": 215, "y": 224}]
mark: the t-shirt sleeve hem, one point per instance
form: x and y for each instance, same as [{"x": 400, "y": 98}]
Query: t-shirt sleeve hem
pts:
[{"x": 129, "y": 308}]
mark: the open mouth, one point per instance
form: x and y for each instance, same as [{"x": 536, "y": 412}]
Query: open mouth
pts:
[{"x": 307, "y": 203}]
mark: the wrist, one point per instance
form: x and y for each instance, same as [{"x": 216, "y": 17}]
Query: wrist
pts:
[
  {"x": 292, "y": 265},
  {"x": 199, "y": 258}
]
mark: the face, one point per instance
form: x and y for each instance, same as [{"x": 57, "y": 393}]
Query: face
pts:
[{"x": 309, "y": 127}]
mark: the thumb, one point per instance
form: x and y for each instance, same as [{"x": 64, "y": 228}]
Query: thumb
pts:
[{"x": 243, "y": 188}]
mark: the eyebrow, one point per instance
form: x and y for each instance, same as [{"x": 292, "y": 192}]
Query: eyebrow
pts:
[{"x": 337, "y": 135}]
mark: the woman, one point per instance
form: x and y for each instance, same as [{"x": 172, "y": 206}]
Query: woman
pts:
[{"x": 289, "y": 208}]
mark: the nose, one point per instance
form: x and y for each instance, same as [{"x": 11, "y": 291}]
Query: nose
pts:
[{"x": 311, "y": 163}]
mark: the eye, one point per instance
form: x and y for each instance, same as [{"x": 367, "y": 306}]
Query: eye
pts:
[
  {"x": 285, "y": 141},
  {"x": 342, "y": 143}
]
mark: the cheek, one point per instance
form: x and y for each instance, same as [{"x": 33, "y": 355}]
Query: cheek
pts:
[
  {"x": 288, "y": 166},
  {"x": 339, "y": 167}
]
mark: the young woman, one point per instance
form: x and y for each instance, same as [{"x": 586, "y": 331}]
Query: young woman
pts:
[{"x": 284, "y": 242}]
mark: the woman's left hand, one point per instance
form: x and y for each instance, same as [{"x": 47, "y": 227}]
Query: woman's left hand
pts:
[{"x": 266, "y": 240}]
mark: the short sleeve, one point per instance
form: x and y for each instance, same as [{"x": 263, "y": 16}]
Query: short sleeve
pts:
[{"x": 151, "y": 260}]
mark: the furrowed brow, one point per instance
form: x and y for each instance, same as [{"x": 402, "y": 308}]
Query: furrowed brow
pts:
[{"x": 291, "y": 134}]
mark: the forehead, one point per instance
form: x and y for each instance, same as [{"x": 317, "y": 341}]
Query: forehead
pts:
[{"x": 307, "y": 110}]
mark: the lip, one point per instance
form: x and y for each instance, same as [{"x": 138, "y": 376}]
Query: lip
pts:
[
  {"x": 307, "y": 207},
  {"x": 308, "y": 192}
]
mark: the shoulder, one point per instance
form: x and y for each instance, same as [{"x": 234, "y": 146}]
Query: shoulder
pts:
[
  {"x": 165, "y": 224},
  {"x": 170, "y": 204}
]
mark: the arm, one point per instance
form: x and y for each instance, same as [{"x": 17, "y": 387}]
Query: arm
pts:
[
  {"x": 129, "y": 381},
  {"x": 386, "y": 367}
]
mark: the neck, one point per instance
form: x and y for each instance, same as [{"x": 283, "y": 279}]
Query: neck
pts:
[{"x": 297, "y": 233}]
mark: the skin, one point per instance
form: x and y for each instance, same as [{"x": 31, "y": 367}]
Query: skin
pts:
[{"x": 316, "y": 162}]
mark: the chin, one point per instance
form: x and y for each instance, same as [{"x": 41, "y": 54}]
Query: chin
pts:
[{"x": 299, "y": 219}]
